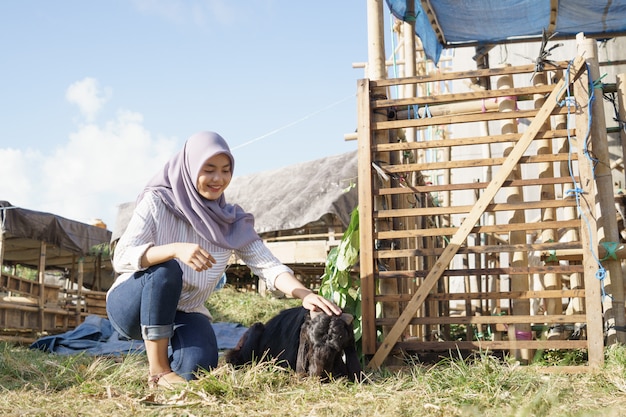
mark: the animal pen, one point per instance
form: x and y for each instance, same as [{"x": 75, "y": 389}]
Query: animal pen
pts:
[
  {"x": 50, "y": 246},
  {"x": 420, "y": 233}
]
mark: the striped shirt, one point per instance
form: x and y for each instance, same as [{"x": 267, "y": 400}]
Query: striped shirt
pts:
[{"x": 152, "y": 224}]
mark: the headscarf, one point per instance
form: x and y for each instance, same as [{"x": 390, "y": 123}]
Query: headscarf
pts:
[{"x": 225, "y": 225}]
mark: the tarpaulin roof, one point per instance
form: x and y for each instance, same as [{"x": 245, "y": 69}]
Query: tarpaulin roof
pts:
[
  {"x": 66, "y": 240},
  {"x": 450, "y": 23}
]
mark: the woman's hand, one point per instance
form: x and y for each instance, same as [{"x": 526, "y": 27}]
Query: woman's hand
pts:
[
  {"x": 290, "y": 285},
  {"x": 195, "y": 256},
  {"x": 315, "y": 302}
]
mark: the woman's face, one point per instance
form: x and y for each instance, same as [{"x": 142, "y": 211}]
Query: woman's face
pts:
[{"x": 214, "y": 177}]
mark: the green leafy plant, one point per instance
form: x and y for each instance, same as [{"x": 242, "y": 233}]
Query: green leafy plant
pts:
[{"x": 338, "y": 282}]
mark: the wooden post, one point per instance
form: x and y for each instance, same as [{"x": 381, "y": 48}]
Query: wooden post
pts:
[
  {"x": 79, "y": 289},
  {"x": 366, "y": 222},
  {"x": 588, "y": 229},
  {"x": 519, "y": 282},
  {"x": 2, "y": 236},
  {"x": 595, "y": 139},
  {"x": 621, "y": 100},
  {"x": 41, "y": 274},
  {"x": 375, "y": 70}
]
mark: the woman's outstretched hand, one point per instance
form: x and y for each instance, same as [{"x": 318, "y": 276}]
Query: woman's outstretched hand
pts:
[{"x": 315, "y": 302}]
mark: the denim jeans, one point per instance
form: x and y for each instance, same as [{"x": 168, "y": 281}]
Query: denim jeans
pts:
[{"x": 144, "y": 307}]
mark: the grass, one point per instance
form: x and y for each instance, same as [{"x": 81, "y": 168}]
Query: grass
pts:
[{"x": 34, "y": 383}]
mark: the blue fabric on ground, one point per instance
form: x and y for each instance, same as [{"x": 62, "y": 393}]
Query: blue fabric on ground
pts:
[
  {"x": 228, "y": 334},
  {"x": 95, "y": 336}
]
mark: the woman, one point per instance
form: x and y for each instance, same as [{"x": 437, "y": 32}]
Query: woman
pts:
[{"x": 174, "y": 252}]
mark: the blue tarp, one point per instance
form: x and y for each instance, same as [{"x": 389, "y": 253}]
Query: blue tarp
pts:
[
  {"x": 493, "y": 21},
  {"x": 95, "y": 336}
]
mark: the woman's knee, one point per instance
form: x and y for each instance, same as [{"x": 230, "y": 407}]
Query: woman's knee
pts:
[{"x": 169, "y": 274}]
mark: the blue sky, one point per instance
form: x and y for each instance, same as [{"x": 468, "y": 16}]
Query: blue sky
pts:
[{"x": 97, "y": 95}]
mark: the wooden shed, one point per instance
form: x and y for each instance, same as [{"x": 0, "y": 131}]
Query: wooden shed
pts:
[
  {"x": 50, "y": 245},
  {"x": 425, "y": 222}
]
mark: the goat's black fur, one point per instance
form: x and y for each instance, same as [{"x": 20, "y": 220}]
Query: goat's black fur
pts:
[{"x": 311, "y": 345}]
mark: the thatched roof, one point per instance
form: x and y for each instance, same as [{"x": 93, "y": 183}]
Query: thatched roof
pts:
[{"x": 291, "y": 197}]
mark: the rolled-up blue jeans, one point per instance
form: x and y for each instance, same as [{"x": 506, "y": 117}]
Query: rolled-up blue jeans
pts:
[{"x": 144, "y": 307}]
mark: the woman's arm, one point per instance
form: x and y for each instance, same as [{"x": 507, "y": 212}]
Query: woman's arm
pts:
[
  {"x": 190, "y": 253},
  {"x": 290, "y": 285},
  {"x": 263, "y": 263}
]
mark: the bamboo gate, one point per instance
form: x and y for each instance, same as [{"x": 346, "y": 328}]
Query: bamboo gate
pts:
[{"x": 410, "y": 248}]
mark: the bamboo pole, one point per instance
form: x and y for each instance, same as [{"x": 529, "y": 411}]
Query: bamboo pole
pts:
[
  {"x": 603, "y": 203},
  {"x": 519, "y": 282},
  {"x": 576, "y": 304},
  {"x": 408, "y": 56},
  {"x": 551, "y": 280}
]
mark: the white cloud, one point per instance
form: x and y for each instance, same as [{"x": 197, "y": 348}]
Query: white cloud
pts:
[
  {"x": 16, "y": 167},
  {"x": 89, "y": 175},
  {"x": 87, "y": 94}
]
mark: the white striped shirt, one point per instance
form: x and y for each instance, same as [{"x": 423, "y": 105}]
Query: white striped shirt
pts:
[{"x": 152, "y": 224}]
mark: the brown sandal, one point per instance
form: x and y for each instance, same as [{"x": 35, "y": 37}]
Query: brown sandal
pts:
[{"x": 157, "y": 380}]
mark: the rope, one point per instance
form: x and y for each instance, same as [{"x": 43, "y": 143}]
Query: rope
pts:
[
  {"x": 292, "y": 123},
  {"x": 577, "y": 191},
  {"x": 611, "y": 250}
]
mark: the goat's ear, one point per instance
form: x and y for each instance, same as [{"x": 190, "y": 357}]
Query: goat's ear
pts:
[
  {"x": 347, "y": 317},
  {"x": 314, "y": 314}
]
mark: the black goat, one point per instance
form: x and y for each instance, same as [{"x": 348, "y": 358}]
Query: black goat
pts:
[{"x": 312, "y": 344}]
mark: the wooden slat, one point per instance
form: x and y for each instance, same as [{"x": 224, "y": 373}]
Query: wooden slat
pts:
[
  {"x": 489, "y": 72},
  {"x": 473, "y": 185},
  {"x": 468, "y": 224},
  {"x": 545, "y": 248},
  {"x": 463, "y": 118},
  {"x": 476, "y": 163},
  {"x": 505, "y": 319},
  {"x": 440, "y": 210},
  {"x": 464, "y": 141},
  {"x": 494, "y": 345},
  {"x": 499, "y": 228},
  {"x": 511, "y": 270},
  {"x": 503, "y": 295},
  {"x": 457, "y": 97}
]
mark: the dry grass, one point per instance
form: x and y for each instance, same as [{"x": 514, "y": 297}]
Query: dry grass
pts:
[{"x": 34, "y": 383}]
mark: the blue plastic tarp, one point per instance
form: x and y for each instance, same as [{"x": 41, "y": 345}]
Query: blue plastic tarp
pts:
[
  {"x": 493, "y": 21},
  {"x": 96, "y": 337}
]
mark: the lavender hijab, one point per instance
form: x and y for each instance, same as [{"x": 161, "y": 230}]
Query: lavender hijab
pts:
[{"x": 225, "y": 225}]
